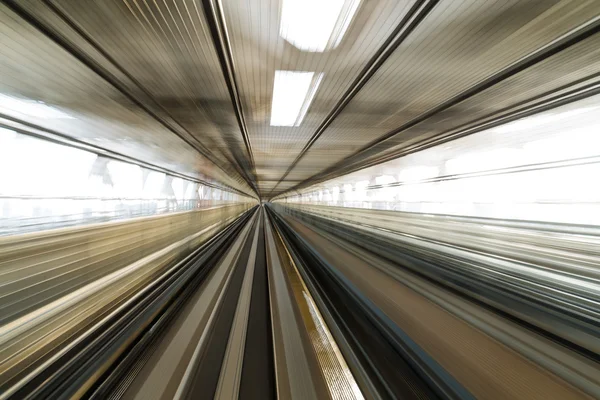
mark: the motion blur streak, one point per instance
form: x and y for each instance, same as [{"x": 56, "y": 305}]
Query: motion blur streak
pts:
[{"x": 293, "y": 199}]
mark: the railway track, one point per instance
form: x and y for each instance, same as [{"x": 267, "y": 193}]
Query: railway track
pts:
[{"x": 276, "y": 306}]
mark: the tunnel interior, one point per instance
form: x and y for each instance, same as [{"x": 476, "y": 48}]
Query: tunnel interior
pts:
[{"x": 299, "y": 199}]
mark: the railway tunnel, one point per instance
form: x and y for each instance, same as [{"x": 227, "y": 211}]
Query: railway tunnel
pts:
[{"x": 299, "y": 199}]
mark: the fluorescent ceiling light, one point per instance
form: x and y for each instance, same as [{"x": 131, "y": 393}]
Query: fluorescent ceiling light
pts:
[
  {"x": 292, "y": 94},
  {"x": 316, "y": 25},
  {"x": 30, "y": 108}
]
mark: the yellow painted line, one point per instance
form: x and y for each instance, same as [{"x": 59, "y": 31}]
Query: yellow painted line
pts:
[{"x": 337, "y": 375}]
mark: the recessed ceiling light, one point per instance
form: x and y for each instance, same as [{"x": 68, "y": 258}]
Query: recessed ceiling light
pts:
[
  {"x": 316, "y": 25},
  {"x": 292, "y": 94}
]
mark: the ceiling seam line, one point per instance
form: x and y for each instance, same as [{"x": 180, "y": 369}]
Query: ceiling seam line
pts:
[
  {"x": 576, "y": 35},
  {"x": 526, "y": 111},
  {"x": 489, "y": 121},
  {"x": 73, "y": 25},
  {"x": 100, "y": 71},
  {"x": 218, "y": 30}
]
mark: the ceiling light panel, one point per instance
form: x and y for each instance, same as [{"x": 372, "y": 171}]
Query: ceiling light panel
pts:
[
  {"x": 292, "y": 94},
  {"x": 316, "y": 25},
  {"x": 259, "y": 51}
]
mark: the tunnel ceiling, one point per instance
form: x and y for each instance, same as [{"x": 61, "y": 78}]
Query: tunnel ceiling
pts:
[{"x": 269, "y": 96}]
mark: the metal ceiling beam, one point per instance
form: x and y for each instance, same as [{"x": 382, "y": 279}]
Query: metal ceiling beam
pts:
[
  {"x": 218, "y": 29},
  {"x": 575, "y": 91},
  {"x": 407, "y": 25},
  {"x": 510, "y": 114},
  {"x": 567, "y": 40},
  {"x": 72, "y": 49}
]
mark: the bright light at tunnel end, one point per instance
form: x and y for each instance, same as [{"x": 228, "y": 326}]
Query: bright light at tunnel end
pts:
[{"x": 292, "y": 94}]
